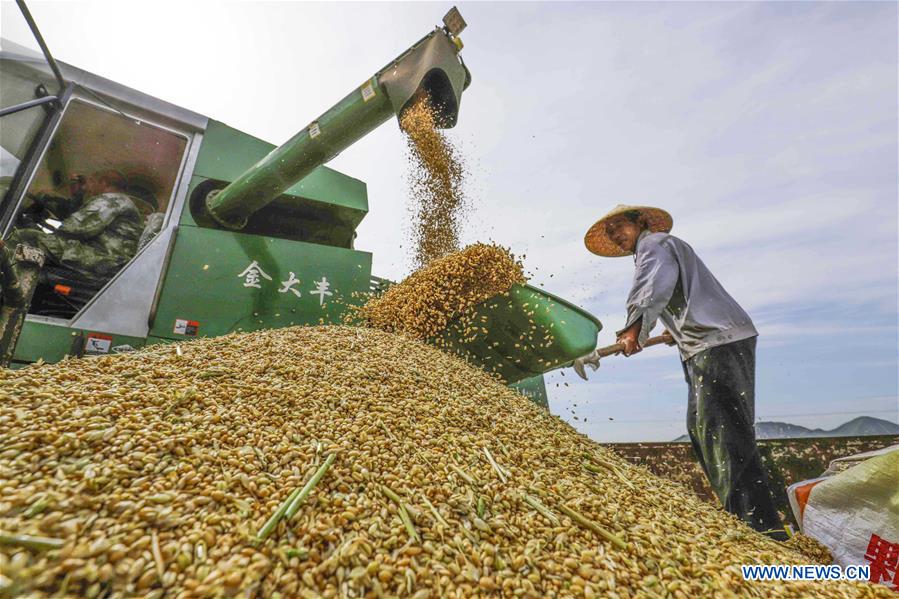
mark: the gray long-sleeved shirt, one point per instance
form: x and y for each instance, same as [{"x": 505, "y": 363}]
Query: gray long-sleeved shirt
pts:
[{"x": 672, "y": 284}]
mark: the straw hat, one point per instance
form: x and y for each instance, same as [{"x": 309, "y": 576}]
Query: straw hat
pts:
[{"x": 598, "y": 242}]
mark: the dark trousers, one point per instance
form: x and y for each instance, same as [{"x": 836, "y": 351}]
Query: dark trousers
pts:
[{"x": 720, "y": 417}]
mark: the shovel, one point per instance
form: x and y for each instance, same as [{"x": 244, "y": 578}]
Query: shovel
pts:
[{"x": 612, "y": 350}]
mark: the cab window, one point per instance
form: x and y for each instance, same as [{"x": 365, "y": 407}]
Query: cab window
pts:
[{"x": 100, "y": 193}]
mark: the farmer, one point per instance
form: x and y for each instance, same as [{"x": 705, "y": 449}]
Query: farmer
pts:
[{"x": 716, "y": 339}]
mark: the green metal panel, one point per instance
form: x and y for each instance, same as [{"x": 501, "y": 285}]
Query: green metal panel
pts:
[
  {"x": 361, "y": 111},
  {"x": 287, "y": 217},
  {"x": 226, "y": 153},
  {"x": 522, "y": 333},
  {"x": 533, "y": 388},
  {"x": 227, "y": 281},
  {"x": 51, "y": 342}
]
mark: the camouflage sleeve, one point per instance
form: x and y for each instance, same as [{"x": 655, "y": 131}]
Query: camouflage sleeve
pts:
[{"x": 93, "y": 218}]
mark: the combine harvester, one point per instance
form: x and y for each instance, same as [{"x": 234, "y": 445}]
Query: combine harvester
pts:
[{"x": 251, "y": 236}]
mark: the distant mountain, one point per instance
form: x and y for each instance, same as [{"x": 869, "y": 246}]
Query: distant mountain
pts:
[
  {"x": 857, "y": 427},
  {"x": 784, "y": 430},
  {"x": 865, "y": 425}
]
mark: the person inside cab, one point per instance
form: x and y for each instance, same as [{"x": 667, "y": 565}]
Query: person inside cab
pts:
[
  {"x": 48, "y": 205},
  {"x": 99, "y": 234}
]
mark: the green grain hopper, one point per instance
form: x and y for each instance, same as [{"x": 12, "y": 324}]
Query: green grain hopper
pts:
[{"x": 247, "y": 236}]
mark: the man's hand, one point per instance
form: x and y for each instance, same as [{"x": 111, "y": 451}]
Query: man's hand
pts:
[
  {"x": 628, "y": 338},
  {"x": 630, "y": 344}
]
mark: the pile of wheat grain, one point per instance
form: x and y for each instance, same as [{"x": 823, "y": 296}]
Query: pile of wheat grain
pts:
[
  {"x": 424, "y": 303},
  {"x": 337, "y": 462}
]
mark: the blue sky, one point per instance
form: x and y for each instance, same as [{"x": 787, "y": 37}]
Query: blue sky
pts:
[{"x": 769, "y": 131}]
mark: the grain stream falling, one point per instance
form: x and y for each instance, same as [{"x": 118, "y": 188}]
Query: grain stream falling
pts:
[
  {"x": 435, "y": 181},
  {"x": 156, "y": 474}
]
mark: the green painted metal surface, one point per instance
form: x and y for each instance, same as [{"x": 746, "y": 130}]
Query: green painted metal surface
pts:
[
  {"x": 226, "y": 153},
  {"x": 534, "y": 388},
  {"x": 357, "y": 114},
  {"x": 521, "y": 334},
  {"x": 52, "y": 342},
  {"x": 226, "y": 281}
]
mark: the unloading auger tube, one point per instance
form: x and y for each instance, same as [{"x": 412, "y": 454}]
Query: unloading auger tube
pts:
[{"x": 431, "y": 66}]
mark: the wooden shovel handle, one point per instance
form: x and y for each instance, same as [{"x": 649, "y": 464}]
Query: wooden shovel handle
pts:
[{"x": 619, "y": 347}]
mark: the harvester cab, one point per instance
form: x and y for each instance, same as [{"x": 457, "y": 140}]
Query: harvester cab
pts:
[{"x": 230, "y": 232}]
